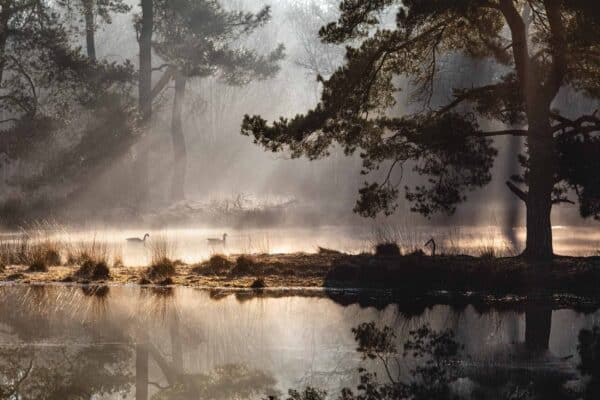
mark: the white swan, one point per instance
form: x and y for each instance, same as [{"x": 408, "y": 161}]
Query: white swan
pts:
[
  {"x": 214, "y": 241},
  {"x": 138, "y": 240}
]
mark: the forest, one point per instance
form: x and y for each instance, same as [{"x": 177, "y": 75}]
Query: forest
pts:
[{"x": 299, "y": 199}]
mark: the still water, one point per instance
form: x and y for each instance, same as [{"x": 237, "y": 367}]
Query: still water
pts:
[{"x": 74, "y": 342}]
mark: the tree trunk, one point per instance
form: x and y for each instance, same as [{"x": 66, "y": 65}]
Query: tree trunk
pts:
[
  {"x": 538, "y": 322},
  {"x": 145, "y": 101},
  {"x": 90, "y": 28},
  {"x": 179, "y": 150},
  {"x": 5, "y": 14},
  {"x": 542, "y": 164},
  {"x": 141, "y": 372},
  {"x": 145, "y": 44}
]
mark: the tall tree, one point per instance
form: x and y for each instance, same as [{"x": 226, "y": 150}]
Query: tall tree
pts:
[
  {"x": 445, "y": 142},
  {"x": 197, "y": 39},
  {"x": 89, "y": 11}
]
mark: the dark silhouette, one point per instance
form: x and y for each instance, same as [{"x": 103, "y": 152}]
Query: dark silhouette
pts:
[
  {"x": 138, "y": 240},
  {"x": 444, "y": 141}
]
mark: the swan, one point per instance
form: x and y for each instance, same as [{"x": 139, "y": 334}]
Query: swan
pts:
[
  {"x": 138, "y": 240},
  {"x": 214, "y": 241}
]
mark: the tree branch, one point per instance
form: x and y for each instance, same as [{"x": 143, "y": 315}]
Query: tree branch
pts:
[
  {"x": 583, "y": 124},
  {"x": 506, "y": 132},
  {"x": 467, "y": 95},
  {"x": 518, "y": 192}
]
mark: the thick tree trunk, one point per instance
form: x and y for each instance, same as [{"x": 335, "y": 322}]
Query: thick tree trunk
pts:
[
  {"x": 145, "y": 101},
  {"x": 179, "y": 150},
  {"x": 90, "y": 28},
  {"x": 542, "y": 164},
  {"x": 538, "y": 323}
]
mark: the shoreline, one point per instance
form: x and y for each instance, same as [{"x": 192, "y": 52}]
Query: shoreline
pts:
[{"x": 412, "y": 274}]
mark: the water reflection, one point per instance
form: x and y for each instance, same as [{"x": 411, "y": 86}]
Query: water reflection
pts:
[{"x": 72, "y": 342}]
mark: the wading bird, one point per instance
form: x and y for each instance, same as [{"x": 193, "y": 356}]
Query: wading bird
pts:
[
  {"x": 214, "y": 241},
  {"x": 138, "y": 240}
]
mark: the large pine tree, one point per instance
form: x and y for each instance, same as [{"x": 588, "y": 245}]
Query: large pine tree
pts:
[{"x": 556, "y": 47}]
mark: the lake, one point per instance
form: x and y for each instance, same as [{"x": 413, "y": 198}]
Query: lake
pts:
[{"x": 105, "y": 342}]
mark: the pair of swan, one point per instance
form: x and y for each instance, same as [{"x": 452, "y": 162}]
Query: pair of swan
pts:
[{"x": 211, "y": 241}]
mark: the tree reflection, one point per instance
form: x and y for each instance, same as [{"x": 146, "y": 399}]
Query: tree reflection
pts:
[{"x": 64, "y": 372}]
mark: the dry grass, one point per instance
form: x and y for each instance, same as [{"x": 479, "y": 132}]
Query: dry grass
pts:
[
  {"x": 80, "y": 252},
  {"x": 35, "y": 246},
  {"x": 244, "y": 265},
  {"x": 93, "y": 270},
  {"x": 216, "y": 265},
  {"x": 162, "y": 252},
  {"x": 407, "y": 239}
]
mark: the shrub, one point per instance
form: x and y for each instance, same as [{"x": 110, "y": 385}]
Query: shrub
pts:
[
  {"x": 93, "y": 270},
  {"x": 161, "y": 268},
  {"x": 38, "y": 265},
  {"x": 52, "y": 257},
  {"x": 259, "y": 283},
  {"x": 244, "y": 265},
  {"x": 387, "y": 249},
  {"x": 217, "y": 264}
]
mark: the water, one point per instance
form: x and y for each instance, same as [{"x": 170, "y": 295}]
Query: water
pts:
[
  {"x": 62, "y": 342},
  {"x": 191, "y": 245}
]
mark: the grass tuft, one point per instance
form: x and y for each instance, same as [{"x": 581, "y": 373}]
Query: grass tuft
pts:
[
  {"x": 93, "y": 270},
  {"x": 161, "y": 268},
  {"x": 38, "y": 265},
  {"x": 244, "y": 265},
  {"x": 216, "y": 265},
  {"x": 162, "y": 251},
  {"x": 387, "y": 249},
  {"x": 258, "y": 283}
]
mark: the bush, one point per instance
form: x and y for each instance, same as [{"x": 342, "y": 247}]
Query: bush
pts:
[
  {"x": 38, "y": 265},
  {"x": 217, "y": 264},
  {"x": 244, "y": 265},
  {"x": 387, "y": 249},
  {"x": 93, "y": 270},
  {"x": 52, "y": 257},
  {"x": 258, "y": 284},
  {"x": 161, "y": 268}
]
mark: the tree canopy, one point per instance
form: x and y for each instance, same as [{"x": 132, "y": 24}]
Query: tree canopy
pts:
[{"x": 445, "y": 136}]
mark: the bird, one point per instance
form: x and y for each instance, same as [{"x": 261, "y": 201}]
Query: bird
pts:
[
  {"x": 138, "y": 240},
  {"x": 215, "y": 241}
]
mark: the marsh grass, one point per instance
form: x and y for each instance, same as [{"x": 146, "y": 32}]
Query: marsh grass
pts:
[
  {"x": 244, "y": 265},
  {"x": 93, "y": 270},
  {"x": 162, "y": 252},
  {"x": 390, "y": 240},
  {"x": 80, "y": 252},
  {"x": 36, "y": 246},
  {"x": 257, "y": 244},
  {"x": 216, "y": 265}
]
